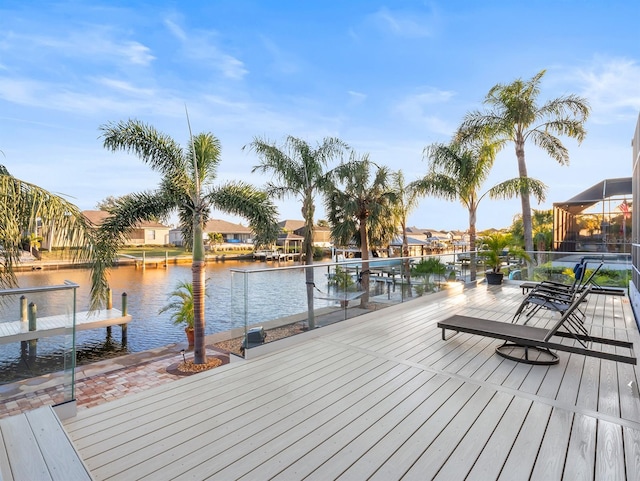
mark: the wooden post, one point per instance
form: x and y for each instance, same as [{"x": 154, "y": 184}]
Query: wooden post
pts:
[
  {"x": 109, "y": 307},
  {"x": 143, "y": 259},
  {"x": 166, "y": 258},
  {"x": 24, "y": 317},
  {"x": 23, "y": 309},
  {"x": 33, "y": 343},
  {"x": 32, "y": 316},
  {"x": 124, "y": 313}
]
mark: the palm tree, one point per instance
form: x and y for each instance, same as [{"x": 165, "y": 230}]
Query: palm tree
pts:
[
  {"x": 24, "y": 204},
  {"x": 542, "y": 224},
  {"x": 186, "y": 187},
  {"x": 299, "y": 171},
  {"x": 407, "y": 196},
  {"x": 514, "y": 116},
  {"x": 457, "y": 171},
  {"x": 360, "y": 209}
]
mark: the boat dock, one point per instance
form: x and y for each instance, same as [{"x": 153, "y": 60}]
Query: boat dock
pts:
[
  {"x": 274, "y": 255},
  {"x": 59, "y": 325}
]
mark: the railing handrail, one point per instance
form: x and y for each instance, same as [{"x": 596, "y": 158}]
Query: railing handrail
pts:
[
  {"x": 346, "y": 262},
  {"x": 27, "y": 290}
]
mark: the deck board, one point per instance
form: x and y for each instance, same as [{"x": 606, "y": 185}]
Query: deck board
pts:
[{"x": 384, "y": 397}]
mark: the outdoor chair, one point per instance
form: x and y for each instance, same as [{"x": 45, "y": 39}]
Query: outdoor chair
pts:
[
  {"x": 556, "y": 296},
  {"x": 536, "y": 345}
]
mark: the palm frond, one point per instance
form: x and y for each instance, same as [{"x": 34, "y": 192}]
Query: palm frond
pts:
[
  {"x": 511, "y": 188},
  {"x": 551, "y": 144},
  {"x": 243, "y": 199},
  {"x": 158, "y": 150},
  {"x": 21, "y": 206}
]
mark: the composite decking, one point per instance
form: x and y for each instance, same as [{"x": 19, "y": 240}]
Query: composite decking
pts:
[{"x": 383, "y": 397}]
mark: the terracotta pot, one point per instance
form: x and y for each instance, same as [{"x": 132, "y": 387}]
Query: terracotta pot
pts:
[{"x": 190, "y": 336}]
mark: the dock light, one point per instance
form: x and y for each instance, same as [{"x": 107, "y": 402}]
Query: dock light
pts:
[{"x": 183, "y": 358}]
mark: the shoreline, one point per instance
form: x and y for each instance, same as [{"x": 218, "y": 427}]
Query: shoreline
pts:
[{"x": 36, "y": 265}]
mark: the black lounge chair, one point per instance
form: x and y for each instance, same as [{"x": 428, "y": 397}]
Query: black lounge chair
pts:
[
  {"x": 534, "y": 345},
  {"x": 556, "y": 296},
  {"x": 579, "y": 270}
]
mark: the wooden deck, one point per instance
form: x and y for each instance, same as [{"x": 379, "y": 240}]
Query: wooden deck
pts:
[
  {"x": 34, "y": 446},
  {"x": 383, "y": 397},
  {"x": 14, "y": 331}
]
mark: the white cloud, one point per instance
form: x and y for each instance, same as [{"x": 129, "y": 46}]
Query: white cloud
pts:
[
  {"x": 121, "y": 86},
  {"x": 611, "y": 86},
  {"x": 356, "y": 98},
  {"x": 136, "y": 53},
  {"x": 200, "y": 45},
  {"x": 405, "y": 24},
  {"x": 175, "y": 30},
  {"x": 281, "y": 58},
  {"x": 416, "y": 109},
  {"x": 91, "y": 43}
]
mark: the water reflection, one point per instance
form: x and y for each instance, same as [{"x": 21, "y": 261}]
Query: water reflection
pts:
[{"x": 275, "y": 295}]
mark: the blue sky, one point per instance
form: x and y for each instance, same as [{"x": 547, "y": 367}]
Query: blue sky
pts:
[{"x": 388, "y": 78}]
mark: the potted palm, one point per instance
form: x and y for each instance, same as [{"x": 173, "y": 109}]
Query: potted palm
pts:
[
  {"x": 424, "y": 269},
  {"x": 181, "y": 307},
  {"x": 343, "y": 281},
  {"x": 495, "y": 248}
]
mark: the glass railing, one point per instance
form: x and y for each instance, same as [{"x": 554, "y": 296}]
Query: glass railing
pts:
[
  {"x": 37, "y": 341},
  {"x": 607, "y": 270},
  {"x": 327, "y": 293}
]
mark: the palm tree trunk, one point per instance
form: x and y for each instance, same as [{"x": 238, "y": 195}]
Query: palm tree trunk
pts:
[
  {"x": 308, "y": 210},
  {"x": 527, "y": 222},
  {"x": 405, "y": 254},
  {"x": 472, "y": 244},
  {"x": 525, "y": 198},
  {"x": 198, "y": 279},
  {"x": 364, "y": 248},
  {"x": 308, "y": 253}
]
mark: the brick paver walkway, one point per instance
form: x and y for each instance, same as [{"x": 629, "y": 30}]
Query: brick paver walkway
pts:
[{"x": 111, "y": 382}]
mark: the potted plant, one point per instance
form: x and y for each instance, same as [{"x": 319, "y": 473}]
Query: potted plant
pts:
[
  {"x": 181, "y": 307},
  {"x": 343, "y": 281},
  {"x": 424, "y": 269},
  {"x": 495, "y": 248}
]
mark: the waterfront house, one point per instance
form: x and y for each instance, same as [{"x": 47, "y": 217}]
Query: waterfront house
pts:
[
  {"x": 144, "y": 233},
  {"x": 231, "y": 233},
  {"x": 293, "y": 232}
]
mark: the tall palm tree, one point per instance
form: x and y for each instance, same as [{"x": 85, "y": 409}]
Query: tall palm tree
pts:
[
  {"x": 299, "y": 171},
  {"x": 457, "y": 171},
  {"x": 360, "y": 209},
  {"x": 186, "y": 187},
  {"x": 542, "y": 224},
  {"x": 22, "y": 205},
  {"x": 514, "y": 116},
  {"x": 407, "y": 197}
]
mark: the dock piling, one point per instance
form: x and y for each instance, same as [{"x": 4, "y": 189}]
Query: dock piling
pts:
[
  {"x": 23, "y": 309},
  {"x": 124, "y": 313},
  {"x": 33, "y": 343},
  {"x": 109, "y": 306}
]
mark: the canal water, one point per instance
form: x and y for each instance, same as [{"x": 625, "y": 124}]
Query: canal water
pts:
[{"x": 278, "y": 294}]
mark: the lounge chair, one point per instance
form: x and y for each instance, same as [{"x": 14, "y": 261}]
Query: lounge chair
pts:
[
  {"x": 535, "y": 345},
  {"x": 597, "y": 288},
  {"x": 556, "y": 296}
]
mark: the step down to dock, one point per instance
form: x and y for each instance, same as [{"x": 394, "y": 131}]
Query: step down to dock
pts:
[{"x": 35, "y": 446}]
